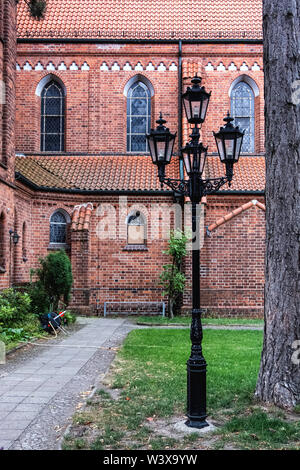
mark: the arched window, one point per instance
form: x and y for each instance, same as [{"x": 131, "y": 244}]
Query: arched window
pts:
[
  {"x": 242, "y": 110},
  {"x": 58, "y": 228},
  {"x": 136, "y": 229},
  {"x": 52, "y": 118},
  {"x": 138, "y": 116}
]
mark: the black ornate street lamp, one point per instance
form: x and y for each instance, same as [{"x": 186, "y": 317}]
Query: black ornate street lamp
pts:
[
  {"x": 195, "y": 101},
  {"x": 229, "y": 141}
]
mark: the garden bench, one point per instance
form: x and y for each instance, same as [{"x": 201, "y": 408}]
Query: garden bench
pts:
[{"x": 137, "y": 308}]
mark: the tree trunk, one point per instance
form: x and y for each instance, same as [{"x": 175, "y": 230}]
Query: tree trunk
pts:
[
  {"x": 279, "y": 376},
  {"x": 171, "y": 304}
]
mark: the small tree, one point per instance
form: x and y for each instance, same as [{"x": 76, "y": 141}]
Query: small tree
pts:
[
  {"x": 55, "y": 278},
  {"x": 172, "y": 279},
  {"x": 37, "y": 8}
]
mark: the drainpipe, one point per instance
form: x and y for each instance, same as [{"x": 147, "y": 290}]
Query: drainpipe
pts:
[{"x": 180, "y": 108}]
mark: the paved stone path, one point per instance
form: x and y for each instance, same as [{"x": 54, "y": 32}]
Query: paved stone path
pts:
[{"x": 41, "y": 390}]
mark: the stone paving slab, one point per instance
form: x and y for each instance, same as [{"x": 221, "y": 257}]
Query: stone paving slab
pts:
[{"x": 28, "y": 391}]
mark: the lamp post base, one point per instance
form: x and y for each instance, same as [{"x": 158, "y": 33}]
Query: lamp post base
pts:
[{"x": 192, "y": 423}]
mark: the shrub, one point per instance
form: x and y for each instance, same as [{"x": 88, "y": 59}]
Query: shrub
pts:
[
  {"x": 54, "y": 280},
  {"x": 40, "y": 300},
  {"x": 172, "y": 279},
  {"x": 69, "y": 318},
  {"x": 15, "y": 307},
  {"x": 37, "y": 8}
]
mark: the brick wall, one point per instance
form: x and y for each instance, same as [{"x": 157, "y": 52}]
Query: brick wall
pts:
[
  {"x": 104, "y": 270},
  {"x": 7, "y": 120},
  {"x": 232, "y": 259},
  {"x": 95, "y": 101}
]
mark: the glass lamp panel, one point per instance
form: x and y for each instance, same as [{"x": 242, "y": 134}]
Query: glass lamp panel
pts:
[
  {"x": 196, "y": 109},
  {"x": 220, "y": 148},
  {"x": 202, "y": 161},
  {"x": 239, "y": 142},
  {"x": 161, "y": 147},
  {"x": 152, "y": 149},
  {"x": 204, "y": 108},
  {"x": 187, "y": 162},
  {"x": 229, "y": 144},
  {"x": 169, "y": 150},
  {"x": 187, "y": 108}
]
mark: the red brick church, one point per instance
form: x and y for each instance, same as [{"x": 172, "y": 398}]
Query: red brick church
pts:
[{"x": 79, "y": 89}]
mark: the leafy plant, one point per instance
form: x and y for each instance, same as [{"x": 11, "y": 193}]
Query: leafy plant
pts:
[
  {"x": 14, "y": 307},
  {"x": 54, "y": 280},
  {"x": 13, "y": 335},
  {"x": 69, "y": 318},
  {"x": 172, "y": 279},
  {"x": 40, "y": 300}
]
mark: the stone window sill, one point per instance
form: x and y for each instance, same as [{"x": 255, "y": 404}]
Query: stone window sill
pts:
[
  {"x": 58, "y": 246},
  {"x": 135, "y": 248}
]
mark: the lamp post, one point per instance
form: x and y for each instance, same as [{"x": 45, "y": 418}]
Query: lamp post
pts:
[{"x": 229, "y": 141}]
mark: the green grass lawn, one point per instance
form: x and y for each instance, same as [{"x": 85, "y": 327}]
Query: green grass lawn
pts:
[
  {"x": 150, "y": 373},
  {"x": 186, "y": 320}
]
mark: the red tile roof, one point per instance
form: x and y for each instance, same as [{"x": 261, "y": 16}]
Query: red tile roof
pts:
[
  {"x": 127, "y": 173},
  {"x": 104, "y": 173},
  {"x": 81, "y": 217},
  {"x": 249, "y": 173},
  {"x": 144, "y": 19}
]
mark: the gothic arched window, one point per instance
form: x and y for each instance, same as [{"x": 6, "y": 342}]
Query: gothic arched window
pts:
[
  {"x": 138, "y": 117},
  {"x": 242, "y": 110},
  {"x": 58, "y": 228},
  {"x": 52, "y": 118}
]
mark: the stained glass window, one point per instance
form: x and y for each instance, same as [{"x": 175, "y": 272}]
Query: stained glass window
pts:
[
  {"x": 138, "y": 117},
  {"x": 52, "y": 118},
  {"x": 242, "y": 109},
  {"x": 58, "y": 228}
]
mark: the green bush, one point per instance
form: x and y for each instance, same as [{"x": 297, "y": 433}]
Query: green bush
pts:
[
  {"x": 15, "y": 307},
  {"x": 17, "y": 322},
  {"x": 69, "y": 318},
  {"x": 11, "y": 335},
  {"x": 172, "y": 278},
  {"x": 54, "y": 281},
  {"x": 40, "y": 300}
]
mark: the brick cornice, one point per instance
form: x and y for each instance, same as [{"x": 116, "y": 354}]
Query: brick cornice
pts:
[{"x": 226, "y": 218}]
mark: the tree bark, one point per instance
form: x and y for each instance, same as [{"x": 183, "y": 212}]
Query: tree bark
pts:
[{"x": 279, "y": 376}]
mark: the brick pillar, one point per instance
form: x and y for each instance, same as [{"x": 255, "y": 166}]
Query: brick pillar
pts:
[{"x": 80, "y": 259}]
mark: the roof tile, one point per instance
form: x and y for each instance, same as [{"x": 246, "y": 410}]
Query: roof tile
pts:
[
  {"x": 128, "y": 173},
  {"x": 104, "y": 173},
  {"x": 144, "y": 19}
]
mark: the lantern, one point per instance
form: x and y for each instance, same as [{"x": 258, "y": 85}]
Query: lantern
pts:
[{"x": 195, "y": 101}]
